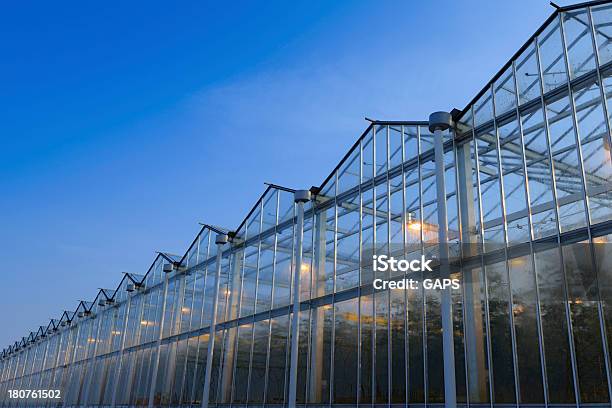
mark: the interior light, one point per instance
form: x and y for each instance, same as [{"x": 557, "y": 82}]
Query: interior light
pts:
[{"x": 414, "y": 225}]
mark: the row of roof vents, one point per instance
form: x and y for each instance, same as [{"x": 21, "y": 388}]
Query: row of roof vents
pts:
[{"x": 54, "y": 324}]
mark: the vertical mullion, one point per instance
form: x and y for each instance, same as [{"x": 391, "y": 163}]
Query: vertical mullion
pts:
[
  {"x": 248, "y": 394},
  {"x": 423, "y": 299},
  {"x": 374, "y": 244},
  {"x": 405, "y": 252},
  {"x": 389, "y": 349},
  {"x": 332, "y": 345}
]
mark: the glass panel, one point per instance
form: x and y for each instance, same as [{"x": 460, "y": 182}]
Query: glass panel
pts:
[
  {"x": 243, "y": 360},
  {"x": 469, "y": 198},
  {"x": 538, "y": 167},
  {"x": 505, "y": 92},
  {"x": 501, "y": 338},
  {"x": 320, "y": 343},
  {"x": 527, "y": 76},
  {"x": 381, "y": 362},
  {"x": 594, "y": 138},
  {"x": 603, "y": 261},
  {"x": 345, "y": 352},
  {"x": 249, "y": 279},
  {"x": 200, "y": 368},
  {"x": 512, "y": 167},
  {"x": 323, "y": 273},
  {"x": 303, "y": 356},
  {"x": 583, "y": 299},
  {"x": 265, "y": 274},
  {"x": 349, "y": 174},
  {"x": 578, "y": 42},
  {"x": 483, "y": 109},
  {"x": 347, "y": 256},
  {"x": 411, "y": 142},
  {"x": 395, "y": 146},
  {"x": 367, "y": 156},
  {"x": 381, "y": 149},
  {"x": 602, "y": 19},
  {"x": 366, "y": 310},
  {"x": 282, "y": 267},
  {"x": 426, "y": 139},
  {"x": 459, "y": 339},
  {"x": 566, "y": 164},
  {"x": 257, "y": 384},
  {"x": 552, "y": 58},
  {"x": 544, "y": 224},
  {"x": 398, "y": 351},
  {"x": 524, "y": 309},
  {"x": 276, "y": 369},
  {"x": 435, "y": 363},
  {"x": 367, "y": 233},
  {"x": 476, "y": 344},
  {"x": 268, "y": 217}
]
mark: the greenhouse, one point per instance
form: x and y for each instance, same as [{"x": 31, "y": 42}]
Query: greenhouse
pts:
[{"x": 512, "y": 195}]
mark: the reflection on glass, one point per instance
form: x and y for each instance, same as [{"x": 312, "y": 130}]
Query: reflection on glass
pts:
[
  {"x": 501, "y": 338},
  {"x": 345, "y": 352},
  {"x": 582, "y": 298},
  {"x": 366, "y": 310},
  {"x": 524, "y": 309}
]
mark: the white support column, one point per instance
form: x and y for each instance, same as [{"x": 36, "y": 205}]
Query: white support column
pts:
[
  {"x": 300, "y": 197},
  {"x": 438, "y": 122},
  {"x": 220, "y": 240}
]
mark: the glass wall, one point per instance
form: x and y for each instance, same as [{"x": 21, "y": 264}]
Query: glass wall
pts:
[{"x": 528, "y": 189}]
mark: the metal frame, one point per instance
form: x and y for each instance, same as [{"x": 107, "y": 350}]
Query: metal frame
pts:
[{"x": 36, "y": 350}]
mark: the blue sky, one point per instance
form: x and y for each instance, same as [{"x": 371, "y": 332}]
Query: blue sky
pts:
[{"x": 124, "y": 125}]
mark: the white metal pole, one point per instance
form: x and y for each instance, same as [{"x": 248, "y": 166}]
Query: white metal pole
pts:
[
  {"x": 438, "y": 122},
  {"x": 220, "y": 240},
  {"x": 300, "y": 197}
]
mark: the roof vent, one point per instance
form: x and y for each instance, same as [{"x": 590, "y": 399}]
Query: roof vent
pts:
[
  {"x": 130, "y": 287},
  {"x": 101, "y": 302},
  {"x": 80, "y": 315},
  {"x": 168, "y": 267}
]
